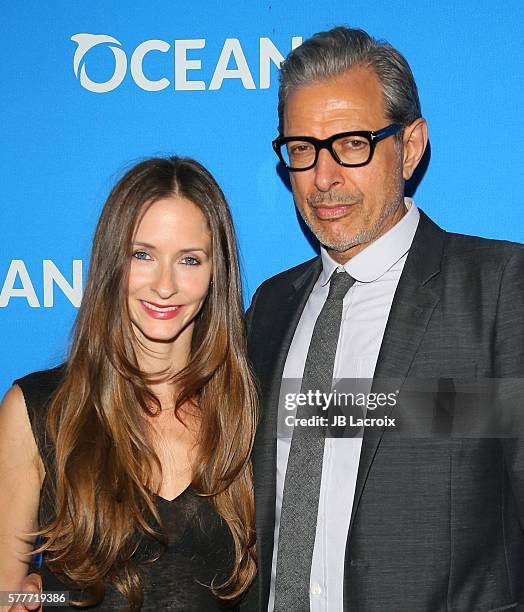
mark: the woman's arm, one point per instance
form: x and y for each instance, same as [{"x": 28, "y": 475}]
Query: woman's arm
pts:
[{"x": 21, "y": 476}]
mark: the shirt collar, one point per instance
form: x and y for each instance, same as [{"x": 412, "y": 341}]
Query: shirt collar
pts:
[{"x": 379, "y": 256}]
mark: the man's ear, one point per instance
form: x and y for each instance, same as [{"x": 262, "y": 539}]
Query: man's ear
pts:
[{"x": 414, "y": 140}]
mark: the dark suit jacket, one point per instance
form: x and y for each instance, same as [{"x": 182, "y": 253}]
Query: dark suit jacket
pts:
[{"x": 437, "y": 523}]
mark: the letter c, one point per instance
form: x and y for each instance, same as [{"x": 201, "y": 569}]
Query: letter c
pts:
[{"x": 137, "y": 59}]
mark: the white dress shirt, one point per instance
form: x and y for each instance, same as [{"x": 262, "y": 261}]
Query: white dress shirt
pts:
[{"x": 376, "y": 270}]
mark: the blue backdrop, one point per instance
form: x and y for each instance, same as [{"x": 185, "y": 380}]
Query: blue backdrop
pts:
[{"x": 90, "y": 87}]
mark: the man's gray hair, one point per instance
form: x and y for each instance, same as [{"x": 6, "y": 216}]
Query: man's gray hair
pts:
[{"x": 329, "y": 54}]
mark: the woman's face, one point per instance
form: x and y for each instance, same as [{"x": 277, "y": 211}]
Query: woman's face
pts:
[{"x": 170, "y": 272}]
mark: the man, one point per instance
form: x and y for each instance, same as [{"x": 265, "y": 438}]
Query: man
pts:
[{"x": 384, "y": 523}]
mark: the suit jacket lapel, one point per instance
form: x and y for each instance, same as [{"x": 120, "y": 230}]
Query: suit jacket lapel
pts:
[
  {"x": 415, "y": 299},
  {"x": 271, "y": 360}
]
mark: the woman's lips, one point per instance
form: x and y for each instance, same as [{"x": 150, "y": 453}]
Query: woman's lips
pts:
[{"x": 157, "y": 311}]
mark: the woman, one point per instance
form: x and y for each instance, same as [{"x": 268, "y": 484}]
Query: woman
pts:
[{"x": 132, "y": 459}]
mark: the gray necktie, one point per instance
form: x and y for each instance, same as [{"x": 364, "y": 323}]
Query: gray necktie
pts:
[{"x": 298, "y": 519}]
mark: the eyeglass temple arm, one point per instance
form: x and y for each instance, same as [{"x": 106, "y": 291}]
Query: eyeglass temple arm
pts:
[{"x": 387, "y": 131}]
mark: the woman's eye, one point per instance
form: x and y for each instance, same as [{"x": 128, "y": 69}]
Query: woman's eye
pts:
[
  {"x": 190, "y": 261},
  {"x": 141, "y": 255}
]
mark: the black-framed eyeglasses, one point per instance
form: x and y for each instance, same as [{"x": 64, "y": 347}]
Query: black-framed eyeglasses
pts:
[{"x": 350, "y": 149}]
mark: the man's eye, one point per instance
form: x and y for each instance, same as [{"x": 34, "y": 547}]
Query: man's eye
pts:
[
  {"x": 354, "y": 144},
  {"x": 190, "y": 261},
  {"x": 141, "y": 255},
  {"x": 302, "y": 148}
]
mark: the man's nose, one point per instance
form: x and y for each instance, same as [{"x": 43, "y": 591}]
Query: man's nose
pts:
[{"x": 328, "y": 173}]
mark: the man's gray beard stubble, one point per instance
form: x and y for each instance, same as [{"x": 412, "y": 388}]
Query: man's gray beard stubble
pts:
[{"x": 363, "y": 236}]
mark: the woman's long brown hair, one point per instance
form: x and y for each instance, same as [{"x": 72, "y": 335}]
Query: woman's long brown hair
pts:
[{"x": 101, "y": 479}]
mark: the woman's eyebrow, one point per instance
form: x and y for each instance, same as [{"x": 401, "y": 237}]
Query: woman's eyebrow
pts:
[
  {"x": 144, "y": 244},
  {"x": 185, "y": 250}
]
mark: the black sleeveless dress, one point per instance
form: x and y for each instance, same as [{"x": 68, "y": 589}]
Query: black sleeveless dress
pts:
[{"x": 200, "y": 545}]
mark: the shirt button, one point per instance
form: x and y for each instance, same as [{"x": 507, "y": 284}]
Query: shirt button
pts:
[{"x": 316, "y": 590}]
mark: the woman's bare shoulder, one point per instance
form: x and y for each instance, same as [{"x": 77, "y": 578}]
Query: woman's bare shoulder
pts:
[{"x": 21, "y": 476}]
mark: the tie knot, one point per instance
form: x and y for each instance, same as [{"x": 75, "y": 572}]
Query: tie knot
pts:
[{"x": 339, "y": 285}]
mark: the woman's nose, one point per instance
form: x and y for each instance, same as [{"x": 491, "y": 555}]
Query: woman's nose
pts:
[{"x": 165, "y": 281}]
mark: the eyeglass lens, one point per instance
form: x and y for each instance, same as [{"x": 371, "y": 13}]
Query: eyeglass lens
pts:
[{"x": 348, "y": 149}]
